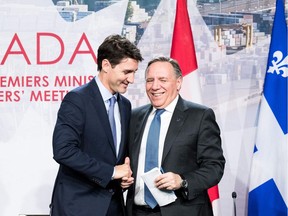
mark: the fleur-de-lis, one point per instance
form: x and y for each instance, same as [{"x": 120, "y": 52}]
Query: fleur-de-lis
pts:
[{"x": 279, "y": 65}]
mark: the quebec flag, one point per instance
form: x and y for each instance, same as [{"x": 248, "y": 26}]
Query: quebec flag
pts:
[{"x": 268, "y": 187}]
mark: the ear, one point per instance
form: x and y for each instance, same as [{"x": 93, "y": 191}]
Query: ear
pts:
[
  {"x": 106, "y": 65},
  {"x": 179, "y": 83}
]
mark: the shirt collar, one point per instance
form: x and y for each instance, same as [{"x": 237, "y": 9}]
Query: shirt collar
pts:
[
  {"x": 170, "y": 108},
  {"x": 106, "y": 94}
]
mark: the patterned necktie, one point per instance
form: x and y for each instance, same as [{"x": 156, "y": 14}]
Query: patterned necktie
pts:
[
  {"x": 151, "y": 158},
  {"x": 112, "y": 120}
]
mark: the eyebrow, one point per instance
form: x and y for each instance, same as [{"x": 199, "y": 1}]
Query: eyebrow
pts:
[
  {"x": 159, "y": 78},
  {"x": 129, "y": 71}
]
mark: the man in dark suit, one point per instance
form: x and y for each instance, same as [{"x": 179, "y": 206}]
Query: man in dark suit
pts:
[
  {"x": 190, "y": 152},
  {"x": 92, "y": 157}
]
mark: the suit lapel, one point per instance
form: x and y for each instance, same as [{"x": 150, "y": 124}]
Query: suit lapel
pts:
[
  {"x": 97, "y": 101},
  {"x": 124, "y": 119},
  {"x": 175, "y": 126},
  {"x": 139, "y": 127}
]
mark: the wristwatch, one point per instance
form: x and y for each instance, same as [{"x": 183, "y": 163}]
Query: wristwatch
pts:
[{"x": 184, "y": 183}]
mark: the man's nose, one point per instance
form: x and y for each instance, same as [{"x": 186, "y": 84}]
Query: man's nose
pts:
[
  {"x": 155, "y": 84},
  {"x": 131, "y": 77}
]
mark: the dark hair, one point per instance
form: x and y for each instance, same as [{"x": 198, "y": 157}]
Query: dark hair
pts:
[
  {"x": 173, "y": 62},
  {"x": 115, "y": 48}
]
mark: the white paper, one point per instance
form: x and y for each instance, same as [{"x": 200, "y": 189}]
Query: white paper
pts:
[{"x": 162, "y": 197}]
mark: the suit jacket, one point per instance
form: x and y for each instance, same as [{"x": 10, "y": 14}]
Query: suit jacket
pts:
[
  {"x": 192, "y": 148},
  {"x": 83, "y": 146}
]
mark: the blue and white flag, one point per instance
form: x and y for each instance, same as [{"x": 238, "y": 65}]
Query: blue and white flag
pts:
[{"x": 268, "y": 188}]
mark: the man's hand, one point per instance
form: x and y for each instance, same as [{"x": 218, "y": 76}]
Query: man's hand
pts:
[
  {"x": 168, "y": 181},
  {"x": 123, "y": 171},
  {"x": 127, "y": 182}
]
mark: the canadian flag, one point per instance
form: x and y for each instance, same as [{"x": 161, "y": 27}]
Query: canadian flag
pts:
[
  {"x": 213, "y": 193},
  {"x": 183, "y": 51}
]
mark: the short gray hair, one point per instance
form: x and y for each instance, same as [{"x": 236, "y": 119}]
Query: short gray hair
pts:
[{"x": 173, "y": 62}]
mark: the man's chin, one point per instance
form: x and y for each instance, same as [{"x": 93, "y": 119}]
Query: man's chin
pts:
[
  {"x": 156, "y": 103},
  {"x": 122, "y": 90}
]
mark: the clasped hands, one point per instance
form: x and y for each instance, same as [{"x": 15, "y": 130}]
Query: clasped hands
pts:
[
  {"x": 167, "y": 181},
  {"x": 124, "y": 173}
]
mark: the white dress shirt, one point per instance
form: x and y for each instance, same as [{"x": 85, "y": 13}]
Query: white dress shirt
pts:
[{"x": 165, "y": 122}]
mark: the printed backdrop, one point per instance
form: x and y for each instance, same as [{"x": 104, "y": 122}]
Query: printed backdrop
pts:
[{"x": 42, "y": 56}]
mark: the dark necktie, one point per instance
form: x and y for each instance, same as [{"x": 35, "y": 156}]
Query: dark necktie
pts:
[
  {"x": 112, "y": 120},
  {"x": 151, "y": 158}
]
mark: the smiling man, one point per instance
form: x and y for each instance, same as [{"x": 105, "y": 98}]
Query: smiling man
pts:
[
  {"x": 187, "y": 146},
  {"x": 90, "y": 137}
]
